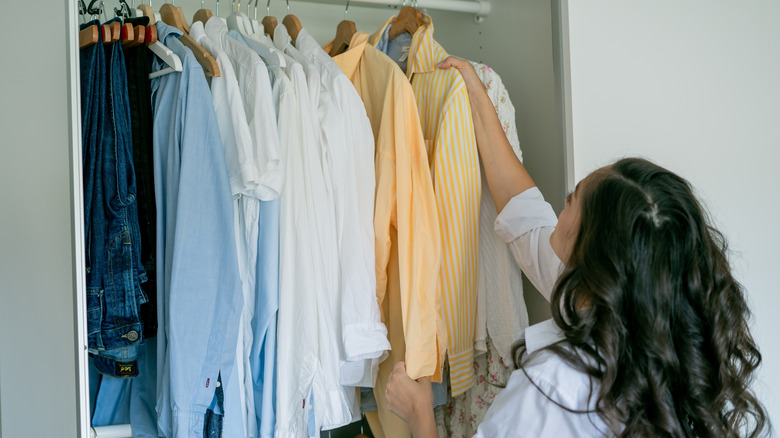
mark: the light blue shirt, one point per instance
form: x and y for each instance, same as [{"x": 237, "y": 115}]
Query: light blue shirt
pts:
[{"x": 200, "y": 295}]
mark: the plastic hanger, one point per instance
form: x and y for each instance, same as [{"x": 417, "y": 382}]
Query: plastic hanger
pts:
[
  {"x": 171, "y": 17},
  {"x": 409, "y": 19},
  {"x": 165, "y": 54},
  {"x": 269, "y": 22},
  {"x": 292, "y": 23},
  {"x": 202, "y": 14},
  {"x": 344, "y": 32}
]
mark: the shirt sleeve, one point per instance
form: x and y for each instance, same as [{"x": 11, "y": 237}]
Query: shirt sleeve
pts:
[
  {"x": 363, "y": 334},
  {"x": 525, "y": 224},
  {"x": 405, "y": 204}
]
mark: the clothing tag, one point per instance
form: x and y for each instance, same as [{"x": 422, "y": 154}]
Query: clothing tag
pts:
[
  {"x": 404, "y": 53},
  {"x": 126, "y": 369}
]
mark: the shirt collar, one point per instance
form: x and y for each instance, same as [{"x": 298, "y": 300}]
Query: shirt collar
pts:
[
  {"x": 215, "y": 28},
  {"x": 425, "y": 53},
  {"x": 197, "y": 31},
  {"x": 163, "y": 30},
  {"x": 349, "y": 60},
  {"x": 542, "y": 335},
  {"x": 306, "y": 43}
]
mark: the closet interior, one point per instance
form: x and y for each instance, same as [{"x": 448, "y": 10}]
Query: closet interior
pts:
[{"x": 266, "y": 194}]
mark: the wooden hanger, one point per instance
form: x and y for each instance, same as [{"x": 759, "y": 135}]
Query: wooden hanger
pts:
[
  {"x": 293, "y": 25},
  {"x": 202, "y": 15},
  {"x": 111, "y": 32},
  {"x": 171, "y": 17},
  {"x": 126, "y": 34},
  {"x": 151, "y": 35},
  {"x": 344, "y": 32},
  {"x": 88, "y": 36},
  {"x": 185, "y": 25},
  {"x": 148, "y": 12},
  {"x": 269, "y": 22},
  {"x": 139, "y": 33},
  {"x": 409, "y": 19}
]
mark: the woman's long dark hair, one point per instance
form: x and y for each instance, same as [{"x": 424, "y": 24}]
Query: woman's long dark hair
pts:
[{"x": 664, "y": 326}]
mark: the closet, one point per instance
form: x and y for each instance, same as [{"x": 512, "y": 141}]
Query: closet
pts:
[{"x": 519, "y": 40}]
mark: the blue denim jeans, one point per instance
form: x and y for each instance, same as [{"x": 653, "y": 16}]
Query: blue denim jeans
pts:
[{"x": 114, "y": 270}]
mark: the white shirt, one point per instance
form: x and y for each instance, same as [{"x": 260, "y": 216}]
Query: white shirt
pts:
[
  {"x": 523, "y": 408},
  {"x": 348, "y": 140},
  {"x": 307, "y": 247},
  {"x": 255, "y": 87},
  {"x": 501, "y": 310}
]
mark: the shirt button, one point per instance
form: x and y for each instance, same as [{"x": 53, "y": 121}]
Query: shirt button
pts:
[
  {"x": 219, "y": 383},
  {"x": 132, "y": 336}
]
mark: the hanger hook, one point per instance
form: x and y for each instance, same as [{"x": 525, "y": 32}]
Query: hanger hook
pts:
[
  {"x": 268, "y": 9},
  {"x": 217, "y": 8},
  {"x": 346, "y": 11},
  {"x": 288, "y": 7}
]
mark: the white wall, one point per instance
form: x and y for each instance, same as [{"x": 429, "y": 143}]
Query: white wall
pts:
[
  {"x": 38, "y": 348},
  {"x": 694, "y": 86}
]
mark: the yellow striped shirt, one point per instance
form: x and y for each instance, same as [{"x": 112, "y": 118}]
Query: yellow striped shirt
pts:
[{"x": 445, "y": 112}]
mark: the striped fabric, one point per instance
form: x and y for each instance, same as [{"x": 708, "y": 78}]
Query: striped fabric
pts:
[{"x": 445, "y": 113}]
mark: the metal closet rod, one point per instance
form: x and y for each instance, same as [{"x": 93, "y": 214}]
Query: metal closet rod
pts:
[{"x": 479, "y": 8}]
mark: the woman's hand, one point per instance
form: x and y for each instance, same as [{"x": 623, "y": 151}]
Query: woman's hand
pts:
[
  {"x": 473, "y": 84},
  {"x": 412, "y": 401}
]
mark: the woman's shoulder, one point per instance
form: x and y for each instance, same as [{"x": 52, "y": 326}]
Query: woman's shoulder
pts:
[{"x": 546, "y": 397}]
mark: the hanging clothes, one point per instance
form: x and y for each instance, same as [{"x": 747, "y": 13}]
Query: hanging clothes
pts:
[
  {"x": 257, "y": 110},
  {"x": 197, "y": 262},
  {"x": 501, "y": 311},
  {"x": 301, "y": 266},
  {"x": 114, "y": 272},
  {"x": 139, "y": 64},
  {"x": 350, "y": 142},
  {"x": 406, "y": 226},
  {"x": 445, "y": 111}
]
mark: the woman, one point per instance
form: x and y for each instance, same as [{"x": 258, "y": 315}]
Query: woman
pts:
[{"x": 649, "y": 335}]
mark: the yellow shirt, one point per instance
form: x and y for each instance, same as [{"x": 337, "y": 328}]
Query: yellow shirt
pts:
[
  {"x": 405, "y": 206},
  {"x": 445, "y": 111}
]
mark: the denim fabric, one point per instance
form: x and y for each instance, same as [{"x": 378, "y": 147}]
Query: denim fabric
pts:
[
  {"x": 199, "y": 298},
  {"x": 138, "y": 61},
  {"x": 214, "y": 420},
  {"x": 114, "y": 272},
  {"x": 123, "y": 401}
]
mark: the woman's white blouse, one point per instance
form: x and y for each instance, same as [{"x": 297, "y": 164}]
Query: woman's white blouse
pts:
[{"x": 530, "y": 405}]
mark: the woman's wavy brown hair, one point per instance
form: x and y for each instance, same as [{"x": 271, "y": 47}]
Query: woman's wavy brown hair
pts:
[{"x": 665, "y": 331}]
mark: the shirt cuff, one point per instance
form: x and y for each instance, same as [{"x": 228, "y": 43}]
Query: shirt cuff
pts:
[{"x": 523, "y": 213}]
